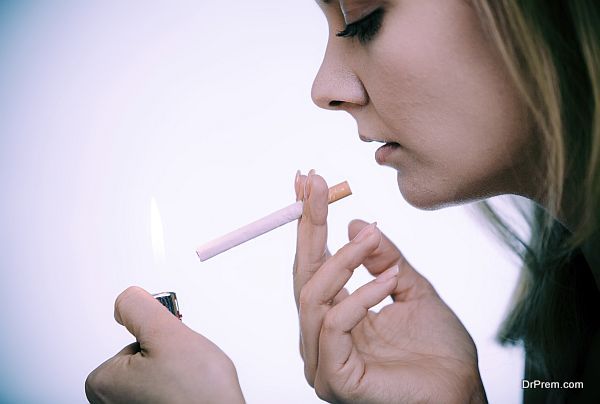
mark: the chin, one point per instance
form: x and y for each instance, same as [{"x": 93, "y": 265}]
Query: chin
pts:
[{"x": 419, "y": 195}]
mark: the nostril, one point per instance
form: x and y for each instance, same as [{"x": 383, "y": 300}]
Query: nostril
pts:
[{"x": 335, "y": 103}]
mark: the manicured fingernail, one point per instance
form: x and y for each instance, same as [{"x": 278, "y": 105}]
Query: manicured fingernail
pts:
[
  {"x": 388, "y": 274},
  {"x": 297, "y": 183},
  {"x": 364, "y": 233},
  {"x": 308, "y": 184}
]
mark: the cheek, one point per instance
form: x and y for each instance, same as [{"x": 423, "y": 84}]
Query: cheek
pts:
[{"x": 446, "y": 100}]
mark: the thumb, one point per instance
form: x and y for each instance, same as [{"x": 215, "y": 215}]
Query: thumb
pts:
[{"x": 143, "y": 316}]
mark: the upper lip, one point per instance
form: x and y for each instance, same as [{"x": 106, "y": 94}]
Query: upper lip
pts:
[{"x": 365, "y": 138}]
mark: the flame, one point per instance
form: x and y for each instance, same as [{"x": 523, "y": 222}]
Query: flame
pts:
[{"x": 157, "y": 232}]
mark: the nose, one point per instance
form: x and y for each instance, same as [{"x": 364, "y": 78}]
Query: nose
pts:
[{"x": 336, "y": 85}]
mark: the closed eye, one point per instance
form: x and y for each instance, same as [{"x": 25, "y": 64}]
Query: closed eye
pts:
[{"x": 364, "y": 29}]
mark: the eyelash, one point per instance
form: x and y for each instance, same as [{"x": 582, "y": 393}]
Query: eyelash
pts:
[{"x": 364, "y": 29}]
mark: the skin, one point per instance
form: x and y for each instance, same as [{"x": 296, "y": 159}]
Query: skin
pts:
[
  {"x": 169, "y": 363},
  {"x": 430, "y": 81},
  {"x": 414, "y": 350}
]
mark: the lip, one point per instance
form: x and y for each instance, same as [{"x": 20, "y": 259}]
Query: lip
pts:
[
  {"x": 369, "y": 139},
  {"x": 383, "y": 154}
]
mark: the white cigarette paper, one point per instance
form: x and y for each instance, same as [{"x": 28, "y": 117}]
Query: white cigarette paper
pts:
[{"x": 264, "y": 225}]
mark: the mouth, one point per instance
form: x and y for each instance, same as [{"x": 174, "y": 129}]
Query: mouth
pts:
[
  {"x": 376, "y": 140},
  {"x": 382, "y": 154},
  {"x": 369, "y": 140}
]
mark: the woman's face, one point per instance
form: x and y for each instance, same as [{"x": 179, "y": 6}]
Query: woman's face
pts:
[{"x": 421, "y": 77}]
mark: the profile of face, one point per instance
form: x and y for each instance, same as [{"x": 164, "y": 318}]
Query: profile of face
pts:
[{"x": 422, "y": 77}]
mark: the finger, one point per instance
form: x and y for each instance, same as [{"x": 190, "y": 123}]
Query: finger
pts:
[
  {"x": 143, "y": 316},
  {"x": 299, "y": 187},
  {"x": 105, "y": 383},
  {"x": 327, "y": 282},
  {"x": 311, "y": 244},
  {"x": 411, "y": 284},
  {"x": 318, "y": 293},
  {"x": 337, "y": 299},
  {"x": 299, "y": 182},
  {"x": 340, "y": 296},
  {"x": 335, "y": 342},
  {"x": 386, "y": 254}
]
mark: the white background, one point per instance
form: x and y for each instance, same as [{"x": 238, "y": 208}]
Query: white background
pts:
[{"x": 204, "y": 106}]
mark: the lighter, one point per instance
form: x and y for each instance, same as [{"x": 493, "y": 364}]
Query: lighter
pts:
[{"x": 169, "y": 300}]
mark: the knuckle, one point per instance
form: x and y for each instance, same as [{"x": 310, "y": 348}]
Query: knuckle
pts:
[
  {"x": 306, "y": 297},
  {"x": 331, "y": 321}
]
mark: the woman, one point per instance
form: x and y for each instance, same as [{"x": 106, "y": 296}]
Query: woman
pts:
[{"x": 471, "y": 99}]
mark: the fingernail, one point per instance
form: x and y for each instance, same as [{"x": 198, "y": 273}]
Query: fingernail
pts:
[
  {"x": 364, "y": 232},
  {"x": 296, "y": 183},
  {"x": 308, "y": 184},
  {"x": 388, "y": 274}
]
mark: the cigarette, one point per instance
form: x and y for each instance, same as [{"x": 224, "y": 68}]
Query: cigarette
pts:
[{"x": 264, "y": 225}]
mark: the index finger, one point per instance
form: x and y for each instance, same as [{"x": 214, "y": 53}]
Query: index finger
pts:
[
  {"x": 311, "y": 244},
  {"x": 411, "y": 283},
  {"x": 386, "y": 254}
]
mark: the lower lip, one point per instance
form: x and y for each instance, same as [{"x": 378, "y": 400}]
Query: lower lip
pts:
[{"x": 382, "y": 154}]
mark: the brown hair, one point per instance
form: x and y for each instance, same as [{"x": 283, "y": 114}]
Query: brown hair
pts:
[{"x": 552, "y": 51}]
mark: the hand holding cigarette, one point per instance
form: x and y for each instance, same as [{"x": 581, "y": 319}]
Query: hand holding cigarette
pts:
[
  {"x": 415, "y": 337},
  {"x": 264, "y": 225}
]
